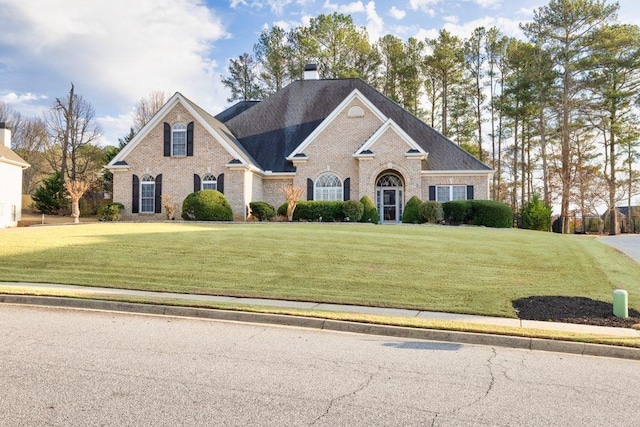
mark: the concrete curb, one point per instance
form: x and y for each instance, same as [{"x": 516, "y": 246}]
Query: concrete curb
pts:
[{"x": 333, "y": 325}]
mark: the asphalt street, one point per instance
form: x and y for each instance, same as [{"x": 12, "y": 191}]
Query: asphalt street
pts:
[
  {"x": 67, "y": 367},
  {"x": 626, "y": 243}
]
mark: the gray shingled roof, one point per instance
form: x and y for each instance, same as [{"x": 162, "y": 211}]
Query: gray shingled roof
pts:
[
  {"x": 273, "y": 128},
  {"x": 10, "y": 155},
  {"x": 234, "y": 110}
]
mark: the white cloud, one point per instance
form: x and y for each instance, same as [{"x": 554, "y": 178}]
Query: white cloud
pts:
[
  {"x": 346, "y": 9},
  {"x": 452, "y": 19},
  {"x": 14, "y": 98},
  {"x": 277, "y": 6},
  {"x": 397, "y": 13},
  {"x": 508, "y": 27},
  {"x": 375, "y": 24},
  {"x": 117, "y": 51},
  {"x": 423, "y": 5},
  {"x": 487, "y": 3}
]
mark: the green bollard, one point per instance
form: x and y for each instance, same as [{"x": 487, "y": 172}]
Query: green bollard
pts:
[{"x": 621, "y": 303}]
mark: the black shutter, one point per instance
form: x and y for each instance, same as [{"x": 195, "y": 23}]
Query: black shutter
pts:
[
  {"x": 135, "y": 195},
  {"x": 220, "y": 185},
  {"x": 309, "y": 189},
  {"x": 432, "y": 192},
  {"x": 196, "y": 183},
  {"x": 158, "y": 198},
  {"x": 347, "y": 189},
  {"x": 167, "y": 139},
  {"x": 469, "y": 192},
  {"x": 190, "y": 139}
]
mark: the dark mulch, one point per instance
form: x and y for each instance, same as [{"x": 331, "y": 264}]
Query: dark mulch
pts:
[{"x": 573, "y": 310}]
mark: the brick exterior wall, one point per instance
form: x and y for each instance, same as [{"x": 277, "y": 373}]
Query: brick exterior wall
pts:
[
  {"x": 177, "y": 172},
  {"x": 331, "y": 150}
]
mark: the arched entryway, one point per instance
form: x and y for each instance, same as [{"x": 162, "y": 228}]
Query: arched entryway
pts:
[{"x": 390, "y": 196}]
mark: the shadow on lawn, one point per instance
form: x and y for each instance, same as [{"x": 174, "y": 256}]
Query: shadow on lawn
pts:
[{"x": 572, "y": 310}]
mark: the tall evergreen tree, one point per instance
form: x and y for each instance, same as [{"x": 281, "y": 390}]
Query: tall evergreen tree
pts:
[
  {"x": 243, "y": 80},
  {"x": 566, "y": 28}
]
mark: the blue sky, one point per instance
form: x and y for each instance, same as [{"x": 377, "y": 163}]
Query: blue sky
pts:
[{"x": 118, "y": 51}]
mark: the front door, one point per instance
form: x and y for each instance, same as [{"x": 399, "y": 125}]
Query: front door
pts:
[
  {"x": 389, "y": 198},
  {"x": 390, "y": 205}
]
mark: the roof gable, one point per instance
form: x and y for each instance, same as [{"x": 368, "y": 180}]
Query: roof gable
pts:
[
  {"x": 354, "y": 95},
  {"x": 211, "y": 124},
  {"x": 390, "y": 126}
]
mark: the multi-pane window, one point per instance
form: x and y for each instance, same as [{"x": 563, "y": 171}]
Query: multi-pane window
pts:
[
  {"x": 209, "y": 182},
  {"x": 147, "y": 194},
  {"x": 446, "y": 193},
  {"x": 328, "y": 187},
  {"x": 179, "y": 139}
]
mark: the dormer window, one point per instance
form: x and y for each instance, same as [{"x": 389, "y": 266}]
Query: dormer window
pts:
[{"x": 179, "y": 140}]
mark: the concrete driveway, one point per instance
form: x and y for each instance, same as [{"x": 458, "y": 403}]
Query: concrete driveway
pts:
[{"x": 627, "y": 243}]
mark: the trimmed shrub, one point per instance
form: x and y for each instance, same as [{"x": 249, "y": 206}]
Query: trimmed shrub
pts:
[
  {"x": 262, "y": 210},
  {"x": 312, "y": 210},
  {"x": 411, "y": 214},
  {"x": 206, "y": 205},
  {"x": 353, "y": 210},
  {"x": 282, "y": 209},
  {"x": 370, "y": 213},
  {"x": 110, "y": 212},
  {"x": 431, "y": 212},
  {"x": 536, "y": 215},
  {"x": 490, "y": 214},
  {"x": 457, "y": 211}
]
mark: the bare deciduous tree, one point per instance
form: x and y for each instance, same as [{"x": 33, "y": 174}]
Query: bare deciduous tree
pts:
[
  {"x": 76, "y": 190},
  {"x": 292, "y": 195},
  {"x": 146, "y": 108}
]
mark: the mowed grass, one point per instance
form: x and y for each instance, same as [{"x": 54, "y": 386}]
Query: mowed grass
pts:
[{"x": 456, "y": 269}]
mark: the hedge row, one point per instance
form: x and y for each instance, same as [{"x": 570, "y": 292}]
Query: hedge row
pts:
[
  {"x": 478, "y": 212},
  {"x": 336, "y": 211}
]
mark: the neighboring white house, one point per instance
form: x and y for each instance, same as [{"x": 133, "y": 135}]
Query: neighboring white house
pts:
[{"x": 11, "y": 166}]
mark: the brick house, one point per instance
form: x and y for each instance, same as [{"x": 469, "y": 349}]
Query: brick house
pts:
[{"x": 339, "y": 139}]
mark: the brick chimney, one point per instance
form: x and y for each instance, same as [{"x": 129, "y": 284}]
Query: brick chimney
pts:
[
  {"x": 5, "y": 135},
  {"x": 311, "y": 72}
]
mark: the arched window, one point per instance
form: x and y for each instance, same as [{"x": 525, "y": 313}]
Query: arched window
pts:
[
  {"x": 209, "y": 182},
  {"x": 328, "y": 187},
  {"x": 179, "y": 140},
  {"x": 147, "y": 194}
]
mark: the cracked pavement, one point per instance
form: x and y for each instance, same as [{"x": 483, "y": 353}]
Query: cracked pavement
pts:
[{"x": 80, "y": 367}]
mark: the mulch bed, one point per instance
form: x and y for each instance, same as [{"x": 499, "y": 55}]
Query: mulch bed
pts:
[{"x": 573, "y": 310}]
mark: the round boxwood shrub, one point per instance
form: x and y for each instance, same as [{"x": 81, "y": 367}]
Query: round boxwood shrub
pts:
[
  {"x": 110, "y": 212},
  {"x": 431, "y": 212},
  {"x": 370, "y": 213},
  {"x": 353, "y": 210},
  {"x": 282, "y": 209},
  {"x": 262, "y": 210},
  {"x": 411, "y": 214},
  {"x": 491, "y": 214},
  {"x": 206, "y": 205}
]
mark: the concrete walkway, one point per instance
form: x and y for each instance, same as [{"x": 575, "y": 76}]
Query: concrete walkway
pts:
[{"x": 380, "y": 311}]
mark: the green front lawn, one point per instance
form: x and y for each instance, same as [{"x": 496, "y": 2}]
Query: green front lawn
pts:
[{"x": 456, "y": 269}]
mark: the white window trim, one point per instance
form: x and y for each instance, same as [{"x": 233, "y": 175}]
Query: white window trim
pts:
[
  {"x": 149, "y": 181},
  {"x": 335, "y": 193},
  {"x": 183, "y": 130},
  {"x": 205, "y": 181},
  {"x": 450, "y": 187}
]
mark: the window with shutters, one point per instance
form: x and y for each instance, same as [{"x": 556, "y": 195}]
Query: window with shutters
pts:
[
  {"x": 446, "y": 193},
  {"x": 209, "y": 182},
  {"x": 328, "y": 187},
  {"x": 179, "y": 140},
  {"x": 147, "y": 194}
]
